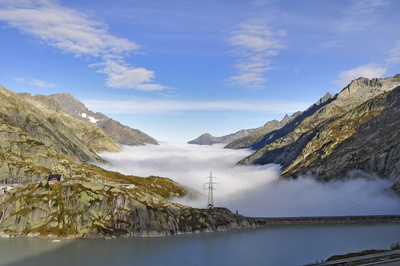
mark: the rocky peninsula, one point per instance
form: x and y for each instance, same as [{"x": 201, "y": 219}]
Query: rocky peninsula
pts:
[{"x": 90, "y": 208}]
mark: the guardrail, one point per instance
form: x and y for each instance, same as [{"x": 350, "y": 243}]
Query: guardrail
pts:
[{"x": 384, "y": 255}]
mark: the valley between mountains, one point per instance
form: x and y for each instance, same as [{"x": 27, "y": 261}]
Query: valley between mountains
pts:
[{"x": 356, "y": 130}]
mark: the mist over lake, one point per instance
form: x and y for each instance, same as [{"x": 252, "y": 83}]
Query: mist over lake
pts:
[{"x": 254, "y": 190}]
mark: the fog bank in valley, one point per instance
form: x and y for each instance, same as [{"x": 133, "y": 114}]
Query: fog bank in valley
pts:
[{"x": 254, "y": 190}]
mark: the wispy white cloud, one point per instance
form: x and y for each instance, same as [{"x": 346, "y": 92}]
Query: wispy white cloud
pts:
[
  {"x": 162, "y": 106},
  {"x": 372, "y": 70},
  {"x": 66, "y": 29},
  {"x": 73, "y": 32},
  {"x": 121, "y": 75},
  {"x": 366, "y": 71},
  {"x": 360, "y": 15},
  {"x": 41, "y": 83},
  {"x": 254, "y": 43},
  {"x": 34, "y": 82}
]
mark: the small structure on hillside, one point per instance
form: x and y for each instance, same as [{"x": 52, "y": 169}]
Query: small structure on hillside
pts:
[
  {"x": 5, "y": 188},
  {"x": 54, "y": 179}
]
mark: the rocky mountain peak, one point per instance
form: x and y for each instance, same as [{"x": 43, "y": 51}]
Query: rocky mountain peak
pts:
[
  {"x": 364, "y": 88},
  {"x": 326, "y": 98},
  {"x": 73, "y": 107}
]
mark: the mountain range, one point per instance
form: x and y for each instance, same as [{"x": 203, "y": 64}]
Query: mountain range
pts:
[
  {"x": 244, "y": 138},
  {"x": 208, "y": 139},
  {"x": 355, "y": 130}
]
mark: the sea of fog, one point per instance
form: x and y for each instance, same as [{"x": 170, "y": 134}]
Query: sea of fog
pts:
[{"x": 254, "y": 190}]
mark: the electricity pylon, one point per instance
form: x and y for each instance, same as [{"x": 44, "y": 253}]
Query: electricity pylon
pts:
[{"x": 210, "y": 189}]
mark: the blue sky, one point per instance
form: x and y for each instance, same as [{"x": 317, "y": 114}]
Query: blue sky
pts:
[{"x": 178, "y": 68}]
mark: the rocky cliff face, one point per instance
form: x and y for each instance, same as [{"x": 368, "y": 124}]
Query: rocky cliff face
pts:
[
  {"x": 357, "y": 129},
  {"x": 93, "y": 208},
  {"x": 208, "y": 139}
]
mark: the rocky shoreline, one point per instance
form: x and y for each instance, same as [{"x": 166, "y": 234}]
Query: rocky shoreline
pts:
[
  {"x": 213, "y": 220},
  {"x": 81, "y": 208}
]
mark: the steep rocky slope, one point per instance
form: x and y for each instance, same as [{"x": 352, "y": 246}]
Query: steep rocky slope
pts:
[
  {"x": 369, "y": 140},
  {"x": 208, "y": 139},
  {"x": 357, "y": 129},
  {"x": 123, "y": 135},
  {"x": 33, "y": 142},
  {"x": 89, "y": 133},
  {"x": 257, "y": 138},
  {"x": 42, "y": 134},
  {"x": 38, "y": 136}
]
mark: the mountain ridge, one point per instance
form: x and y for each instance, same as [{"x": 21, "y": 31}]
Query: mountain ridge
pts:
[
  {"x": 208, "y": 139},
  {"x": 123, "y": 135},
  {"x": 255, "y": 139},
  {"x": 331, "y": 126}
]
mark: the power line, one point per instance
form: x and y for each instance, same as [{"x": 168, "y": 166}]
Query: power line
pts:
[
  {"x": 335, "y": 201},
  {"x": 362, "y": 201}
]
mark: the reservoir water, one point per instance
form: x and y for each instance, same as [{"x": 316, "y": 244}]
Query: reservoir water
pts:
[{"x": 275, "y": 245}]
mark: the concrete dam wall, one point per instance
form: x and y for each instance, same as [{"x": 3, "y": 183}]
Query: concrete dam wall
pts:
[{"x": 323, "y": 220}]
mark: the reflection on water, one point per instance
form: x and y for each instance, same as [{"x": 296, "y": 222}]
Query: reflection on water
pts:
[{"x": 278, "y": 245}]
